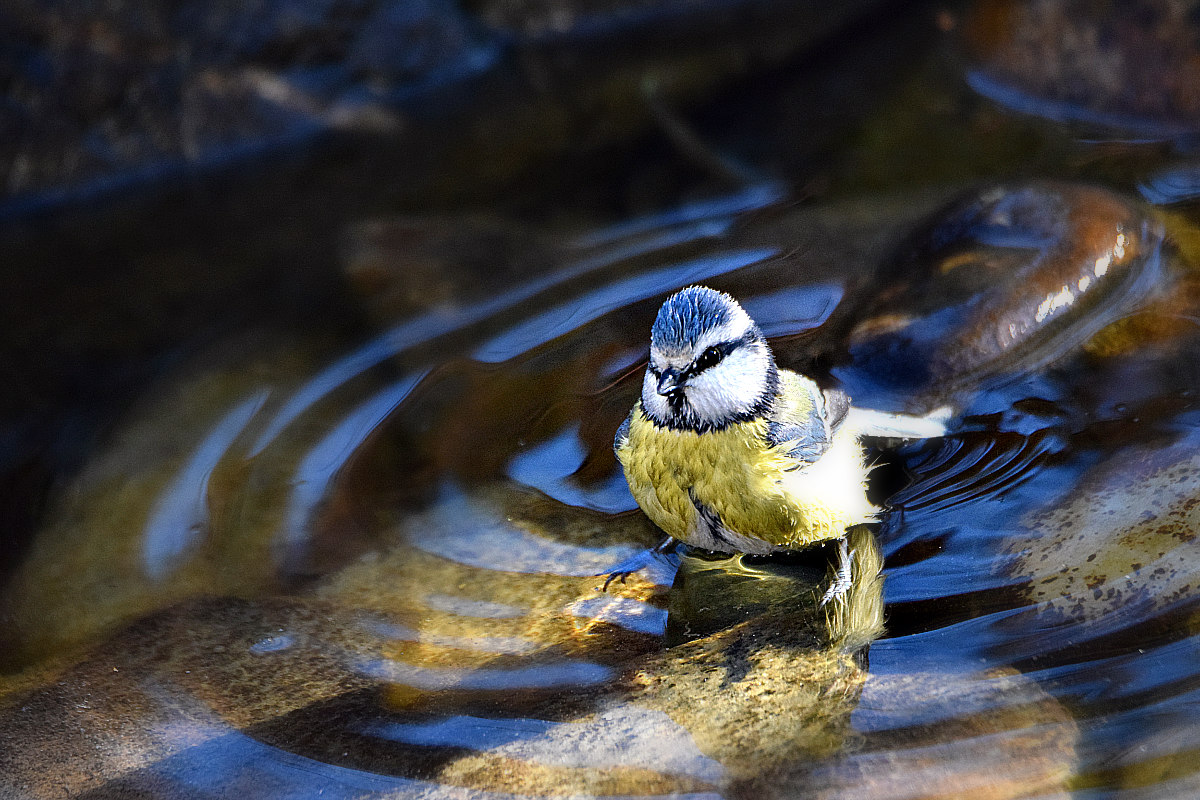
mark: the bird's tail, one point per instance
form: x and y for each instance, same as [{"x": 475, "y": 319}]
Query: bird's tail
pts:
[{"x": 887, "y": 425}]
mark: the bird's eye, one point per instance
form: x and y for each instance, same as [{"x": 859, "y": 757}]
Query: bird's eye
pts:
[{"x": 709, "y": 357}]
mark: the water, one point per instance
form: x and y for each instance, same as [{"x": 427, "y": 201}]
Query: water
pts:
[{"x": 373, "y": 569}]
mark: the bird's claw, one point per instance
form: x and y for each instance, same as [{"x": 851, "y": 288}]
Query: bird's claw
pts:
[
  {"x": 636, "y": 563},
  {"x": 615, "y": 576},
  {"x": 627, "y": 567},
  {"x": 844, "y": 577}
]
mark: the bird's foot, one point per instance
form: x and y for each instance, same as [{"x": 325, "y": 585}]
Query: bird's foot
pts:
[
  {"x": 844, "y": 577},
  {"x": 637, "y": 562}
]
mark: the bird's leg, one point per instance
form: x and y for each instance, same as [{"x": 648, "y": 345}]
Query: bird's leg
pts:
[
  {"x": 640, "y": 561},
  {"x": 667, "y": 545},
  {"x": 843, "y": 579}
]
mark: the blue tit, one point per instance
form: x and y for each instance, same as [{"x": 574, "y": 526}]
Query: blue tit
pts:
[{"x": 726, "y": 451}]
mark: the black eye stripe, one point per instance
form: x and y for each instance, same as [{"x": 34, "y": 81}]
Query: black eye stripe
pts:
[
  {"x": 711, "y": 356},
  {"x": 714, "y": 354}
]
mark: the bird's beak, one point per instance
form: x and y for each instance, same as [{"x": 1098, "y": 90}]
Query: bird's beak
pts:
[{"x": 668, "y": 382}]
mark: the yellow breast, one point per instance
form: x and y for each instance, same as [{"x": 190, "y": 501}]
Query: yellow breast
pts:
[{"x": 753, "y": 489}]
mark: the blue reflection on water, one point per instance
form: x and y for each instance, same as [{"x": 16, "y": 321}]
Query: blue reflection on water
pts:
[
  {"x": 633, "y": 615},
  {"x": 883, "y": 707},
  {"x": 326, "y": 458},
  {"x": 723, "y": 209},
  {"x": 1008, "y": 95},
  {"x": 623, "y": 736},
  {"x": 1177, "y": 184},
  {"x": 1159, "y": 737},
  {"x": 1119, "y": 678},
  {"x": 348, "y": 367},
  {"x": 181, "y": 515},
  {"x": 543, "y": 327},
  {"x": 549, "y": 465},
  {"x": 232, "y": 764},
  {"x": 793, "y": 309},
  {"x": 476, "y": 733},
  {"x": 961, "y": 647},
  {"x": 702, "y": 221},
  {"x": 459, "y": 530}
]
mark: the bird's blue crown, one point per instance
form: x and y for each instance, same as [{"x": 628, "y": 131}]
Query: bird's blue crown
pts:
[{"x": 687, "y": 314}]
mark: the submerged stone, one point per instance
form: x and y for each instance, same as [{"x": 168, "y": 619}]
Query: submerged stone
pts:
[
  {"x": 996, "y": 735},
  {"x": 1002, "y": 282},
  {"x": 430, "y": 664},
  {"x": 1120, "y": 544},
  {"x": 193, "y": 697}
]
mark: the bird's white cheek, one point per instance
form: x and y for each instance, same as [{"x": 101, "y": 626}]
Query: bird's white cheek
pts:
[
  {"x": 728, "y": 389},
  {"x": 709, "y": 398}
]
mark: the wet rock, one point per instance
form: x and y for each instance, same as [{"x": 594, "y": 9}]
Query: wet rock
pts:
[
  {"x": 284, "y": 694},
  {"x": 1120, "y": 544},
  {"x": 1113, "y": 66},
  {"x": 992, "y": 736},
  {"x": 186, "y": 680},
  {"x": 434, "y": 35},
  {"x": 728, "y": 691},
  {"x": 134, "y": 90},
  {"x": 1002, "y": 282},
  {"x": 257, "y": 683},
  {"x": 101, "y": 90},
  {"x": 136, "y": 95},
  {"x": 436, "y": 661}
]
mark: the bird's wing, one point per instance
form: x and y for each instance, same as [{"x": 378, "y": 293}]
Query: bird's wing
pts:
[
  {"x": 805, "y": 418},
  {"x": 622, "y": 434}
]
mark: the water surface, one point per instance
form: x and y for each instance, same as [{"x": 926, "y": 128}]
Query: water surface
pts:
[{"x": 369, "y": 565}]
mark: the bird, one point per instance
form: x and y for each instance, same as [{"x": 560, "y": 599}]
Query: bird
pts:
[{"x": 726, "y": 451}]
